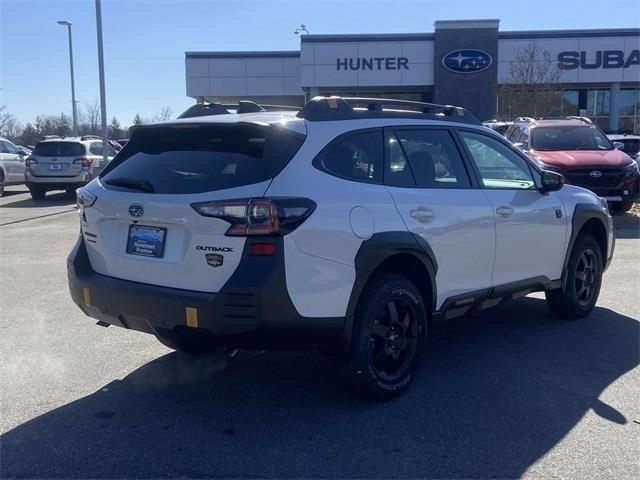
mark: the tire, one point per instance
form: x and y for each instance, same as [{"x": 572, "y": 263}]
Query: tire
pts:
[
  {"x": 621, "y": 207},
  {"x": 389, "y": 334},
  {"x": 181, "y": 344},
  {"x": 37, "y": 193},
  {"x": 1, "y": 184},
  {"x": 583, "y": 281},
  {"x": 70, "y": 193}
]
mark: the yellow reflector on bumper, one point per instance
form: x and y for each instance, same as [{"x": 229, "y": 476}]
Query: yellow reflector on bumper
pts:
[
  {"x": 192, "y": 317},
  {"x": 86, "y": 293}
]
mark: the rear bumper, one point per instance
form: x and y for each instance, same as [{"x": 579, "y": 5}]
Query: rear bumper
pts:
[
  {"x": 57, "y": 182},
  {"x": 55, "y": 185},
  {"x": 252, "y": 311}
]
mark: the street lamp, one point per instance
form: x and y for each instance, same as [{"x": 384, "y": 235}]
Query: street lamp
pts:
[
  {"x": 301, "y": 29},
  {"x": 73, "y": 87},
  {"x": 103, "y": 95}
]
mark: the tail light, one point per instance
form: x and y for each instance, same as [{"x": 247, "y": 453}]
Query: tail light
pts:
[
  {"x": 30, "y": 161},
  {"x": 258, "y": 216},
  {"x": 85, "y": 161}
]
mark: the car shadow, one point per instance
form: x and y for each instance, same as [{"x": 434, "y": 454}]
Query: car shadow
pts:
[
  {"x": 496, "y": 392},
  {"x": 627, "y": 225},
  {"x": 52, "y": 199}
]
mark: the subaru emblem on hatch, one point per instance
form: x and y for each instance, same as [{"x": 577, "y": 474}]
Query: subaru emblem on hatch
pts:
[
  {"x": 214, "y": 259},
  {"x": 467, "y": 61},
  {"x": 595, "y": 174},
  {"x": 136, "y": 210}
]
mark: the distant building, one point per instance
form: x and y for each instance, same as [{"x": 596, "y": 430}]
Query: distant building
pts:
[{"x": 463, "y": 63}]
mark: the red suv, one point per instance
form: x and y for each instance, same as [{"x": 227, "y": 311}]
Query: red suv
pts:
[{"x": 583, "y": 154}]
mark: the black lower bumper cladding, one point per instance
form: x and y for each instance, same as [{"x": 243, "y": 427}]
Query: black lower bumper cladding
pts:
[{"x": 252, "y": 311}]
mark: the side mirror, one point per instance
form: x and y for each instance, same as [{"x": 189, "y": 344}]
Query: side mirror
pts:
[
  {"x": 618, "y": 145},
  {"x": 551, "y": 181},
  {"x": 22, "y": 151}
]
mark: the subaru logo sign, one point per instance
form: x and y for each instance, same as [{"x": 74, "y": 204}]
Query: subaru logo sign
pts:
[
  {"x": 467, "y": 61},
  {"x": 136, "y": 210},
  {"x": 595, "y": 174}
]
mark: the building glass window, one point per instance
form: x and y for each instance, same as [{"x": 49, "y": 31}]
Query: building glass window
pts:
[
  {"x": 598, "y": 103},
  {"x": 569, "y": 102}
]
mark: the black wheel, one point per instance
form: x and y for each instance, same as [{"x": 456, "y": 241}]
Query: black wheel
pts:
[
  {"x": 1, "y": 184},
  {"x": 388, "y": 338},
  {"x": 70, "y": 193},
  {"x": 621, "y": 207},
  {"x": 583, "y": 281},
  {"x": 37, "y": 193}
]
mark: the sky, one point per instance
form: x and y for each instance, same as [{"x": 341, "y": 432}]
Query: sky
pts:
[{"x": 145, "y": 40}]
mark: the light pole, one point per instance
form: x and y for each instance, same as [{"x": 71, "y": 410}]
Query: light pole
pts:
[
  {"x": 74, "y": 107},
  {"x": 103, "y": 95}
]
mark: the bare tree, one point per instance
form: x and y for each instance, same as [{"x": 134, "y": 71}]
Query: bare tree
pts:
[
  {"x": 11, "y": 128},
  {"x": 5, "y": 119},
  {"x": 164, "y": 114},
  {"x": 531, "y": 86},
  {"x": 92, "y": 116}
]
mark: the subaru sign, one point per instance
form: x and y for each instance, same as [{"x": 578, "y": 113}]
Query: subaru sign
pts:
[
  {"x": 570, "y": 60},
  {"x": 467, "y": 61}
]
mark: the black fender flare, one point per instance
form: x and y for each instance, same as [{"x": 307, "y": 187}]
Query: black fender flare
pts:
[
  {"x": 372, "y": 253},
  {"x": 581, "y": 215}
]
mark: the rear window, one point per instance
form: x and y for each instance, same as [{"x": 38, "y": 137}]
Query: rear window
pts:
[
  {"x": 59, "y": 149},
  {"x": 202, "y": 158},
  {"x": 569, "y": 138}
]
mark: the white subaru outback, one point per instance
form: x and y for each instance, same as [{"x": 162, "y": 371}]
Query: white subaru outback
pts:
[{"x": 346, "y": 227}]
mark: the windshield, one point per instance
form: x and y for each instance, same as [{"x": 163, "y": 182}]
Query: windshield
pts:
[
  {"x": 59, "y": 149},
  {"x": 569, "y": 138},
  {"x": 184, "y": 159}
]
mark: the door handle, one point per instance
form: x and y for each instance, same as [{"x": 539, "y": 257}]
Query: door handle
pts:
[
  {"x": 504, "y": 211},
  {"x": 423, "y": 214}
]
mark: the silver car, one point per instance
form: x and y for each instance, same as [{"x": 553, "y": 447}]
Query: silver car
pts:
[
  {"x": 12, "y": 160},
  {"x": 64, "y": 164}
]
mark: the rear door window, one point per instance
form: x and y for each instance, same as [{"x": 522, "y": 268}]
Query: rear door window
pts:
[
  {"x": 430, "y": 156},
  {"x": 183, "y": 159},
  {"x": 59, "y": 149}
]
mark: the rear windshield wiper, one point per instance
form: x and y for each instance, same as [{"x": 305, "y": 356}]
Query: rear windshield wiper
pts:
[{"x": 132, "y": 183}]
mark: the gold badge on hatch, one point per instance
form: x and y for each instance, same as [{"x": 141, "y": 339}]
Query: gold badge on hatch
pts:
[{"x": 214, "y": 259}]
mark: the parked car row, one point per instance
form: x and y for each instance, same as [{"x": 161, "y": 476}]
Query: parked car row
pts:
[
  {"x": 55, "y": 163},
  {"x": 580, "y": 151}
]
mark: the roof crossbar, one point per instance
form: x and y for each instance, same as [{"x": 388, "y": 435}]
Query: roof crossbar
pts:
[
  {"x": 243, "y": 106},
  {"x": 344, "y": 108}
]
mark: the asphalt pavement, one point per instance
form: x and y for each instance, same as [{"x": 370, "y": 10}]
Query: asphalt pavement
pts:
[{"x": 504, "y": 393}]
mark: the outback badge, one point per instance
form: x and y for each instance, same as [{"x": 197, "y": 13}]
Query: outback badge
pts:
[{"x": 214, "y": 259}]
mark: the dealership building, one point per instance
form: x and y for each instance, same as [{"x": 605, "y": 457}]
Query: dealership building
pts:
[{"x": 466, "y": 62}]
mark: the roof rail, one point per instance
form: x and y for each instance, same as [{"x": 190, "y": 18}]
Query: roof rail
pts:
[
  {"x": 524, "y": 120},
  {"x": 243, "y": 106},
  {"x": 346, "y": 108},
  {"x": 582, "y": 119}
]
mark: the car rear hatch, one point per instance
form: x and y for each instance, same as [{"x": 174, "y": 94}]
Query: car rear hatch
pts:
[
  {"x": 58, "y": 159},
  {"x": 143, "y": 225}
]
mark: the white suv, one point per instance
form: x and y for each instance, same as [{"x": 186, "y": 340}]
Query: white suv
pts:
[
  {"x": 350, "y": 230},
  {"x": 11, "y": 164},
  {"x": 64, "y": 164}
]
